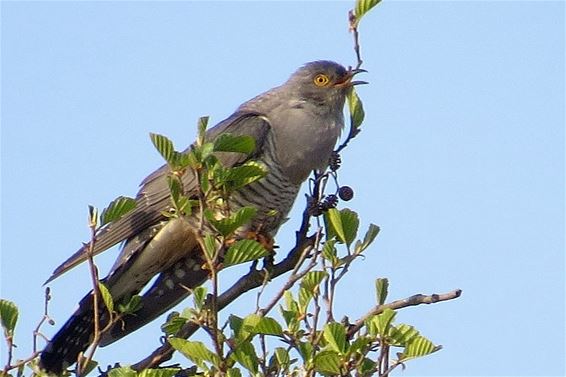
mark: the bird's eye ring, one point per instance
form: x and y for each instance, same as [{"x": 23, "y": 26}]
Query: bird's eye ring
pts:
[{"x": 321, "y": 80}]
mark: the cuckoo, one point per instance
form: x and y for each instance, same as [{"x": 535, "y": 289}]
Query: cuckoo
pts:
[{"x": 295, "y": 127}]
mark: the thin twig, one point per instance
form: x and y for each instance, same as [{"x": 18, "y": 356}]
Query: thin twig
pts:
[{"x": 414, "y": 300}]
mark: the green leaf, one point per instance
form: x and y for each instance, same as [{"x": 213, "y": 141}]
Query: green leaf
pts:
[
  {"x": 419, "y": 346},
  {"x": 282, "y": 357},
  {"x": 236, "y": 323},
  {"x": 381, "y": 290},
  {"x": 8, "y": 316},
  {"x": 240, "y": 176},
  {"x": 228, "y": 225},
  {"x": 378, "y": 325},
  {"x": 106, "y": 296},
  {"x": 305, "y": 297},
  {"x": 368, "y": 367},
  {"x": 402, "y": 334},
  {"x": 202, "y": 124},
  {"x": 327, "y": 363},
  {"x": 92, "y": 216},
  {"x": 350, "y": 224},
  {"x": 245, "y": 355},
  {"x": 359, "y": 345},
  {"x": 335, "y": 221},
  {"x": 210, "y": 247},
  {"x": 364, "y": 6},
  {"x": 329, "y": 252},
  {"x": 356, "y": 109},
  {"x": 233, "y": 372},
  {"x": 305, "y": 350},
  {"x": 174, "y": 323},
  {"x": 230, "y": 143},
  {"x": 89, "y": 367},
  {"x": 312, "y": 280},
  {"x": 164, "y": 146},
  {"x": 268, "y": 326},
  {"x": 122, "y": 372},
  {"x": 195, "y": 351},
  {"x": 335, "y": 336},
  {"x": 244, "y": 251},
  {"x": 199, "y": 296},
  {"x": 116, "y": 209},
  {"x": 371, "y": 233},
  {"x": 131, "y": 306},
  {"x": 161, "y": 372}
]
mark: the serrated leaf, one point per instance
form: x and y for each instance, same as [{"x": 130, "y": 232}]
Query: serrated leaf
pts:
[
  {"x": 350, "y": 224},
  {"x": 268, "y": 326},
  {"x": 364, "y": 6},
  {"x": 231, "y": 143},
  {"x": 116, "y": 209},
  {"x": 228, "y": 225},
  {"x": 164, "y": 146},
  {"x": 335, "y": 336},
  {"x": 335, "y": 221},
  {"x": 356, "y": 108},
  {"x": 327, "y": 362},
  {"x": 312, "y": 280},
  {"x": 402, "y": 334},
  {"x": 419, "y": 346},
  {"x": 378, "y": 325},
  {"x": 240, "y": 176},
  {"x": 244, "y": 251},
  {"x": 282, "y": 357},
  {"x": 329, "y": 252},
  {"x": 195, "y": 351},
  {"x": 371, "y": 233},
  {"x": 245, "y": 355},
  {"x": 381, "y": 290},
  {"x": 8, "y": 316},
  {"x": 305, "y": 350},
  {"x": 236, "y": 323},
  {"x": 305, "y": 297},
  {"x": 106, "y": 296}
]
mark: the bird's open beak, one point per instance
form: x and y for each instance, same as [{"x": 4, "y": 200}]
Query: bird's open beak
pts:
[{"x": 347, "y": 81}]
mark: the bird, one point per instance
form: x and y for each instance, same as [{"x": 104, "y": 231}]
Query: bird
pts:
[{"x": 295, "y": 127}]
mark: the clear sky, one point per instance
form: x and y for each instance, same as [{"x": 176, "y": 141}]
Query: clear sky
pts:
[{"x": 461, "y": 158}]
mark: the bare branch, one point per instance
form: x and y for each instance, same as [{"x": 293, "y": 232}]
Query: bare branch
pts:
[{"x": 414, "y": 300}]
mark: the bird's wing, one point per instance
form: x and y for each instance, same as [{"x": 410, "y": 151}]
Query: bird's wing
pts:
[{"x": 153, "y": 196}]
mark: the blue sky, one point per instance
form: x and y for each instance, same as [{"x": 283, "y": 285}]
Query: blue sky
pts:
[{"x": 461, "y": 158}]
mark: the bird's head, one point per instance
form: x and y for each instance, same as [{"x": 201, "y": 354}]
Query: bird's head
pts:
[{"x": 324, "y": 82}]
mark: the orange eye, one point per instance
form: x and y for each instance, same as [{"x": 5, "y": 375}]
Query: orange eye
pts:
[{"x": 321, "y": 80}]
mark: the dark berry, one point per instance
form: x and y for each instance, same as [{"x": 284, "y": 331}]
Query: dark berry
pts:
[{"x": 346, "y": 193}]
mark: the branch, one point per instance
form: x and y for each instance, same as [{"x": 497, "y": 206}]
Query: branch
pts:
[{"x": 414, "y": 300}]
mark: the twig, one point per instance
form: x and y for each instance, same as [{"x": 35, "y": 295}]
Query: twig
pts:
[{"x": 414, "y": 300}]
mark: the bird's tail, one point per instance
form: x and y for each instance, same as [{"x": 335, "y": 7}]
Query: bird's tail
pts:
[{"x": 72, "y": 339}]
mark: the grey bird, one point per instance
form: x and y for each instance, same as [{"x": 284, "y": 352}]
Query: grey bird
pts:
[{"x": 295, "y": 126}]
